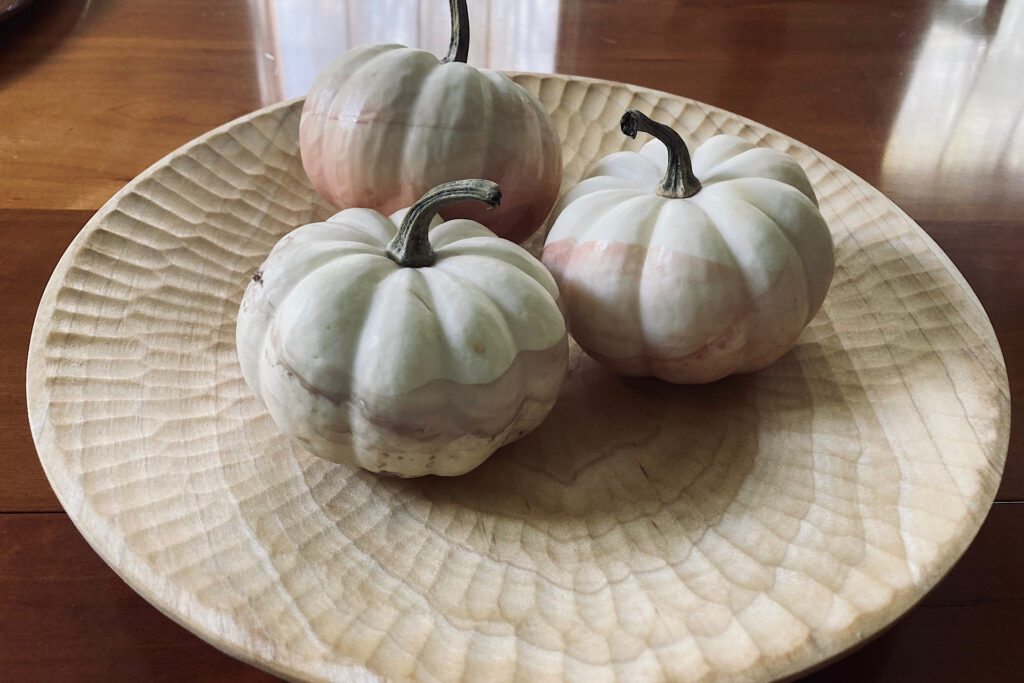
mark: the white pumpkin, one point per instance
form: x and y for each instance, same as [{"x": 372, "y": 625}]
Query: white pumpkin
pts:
[
  {"x": 370, "y": 347},
  {"x": 383, "y": 124},
  {"x": 690, "y": 273}
]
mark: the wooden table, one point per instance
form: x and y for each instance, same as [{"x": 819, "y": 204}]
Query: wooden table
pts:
[{"x": 922, "y": 98}]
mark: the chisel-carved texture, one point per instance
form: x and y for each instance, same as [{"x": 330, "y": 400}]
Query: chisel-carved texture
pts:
[{"x": 751, "y": 528}]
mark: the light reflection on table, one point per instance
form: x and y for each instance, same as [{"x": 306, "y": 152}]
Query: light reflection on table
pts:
[
  {"x": 295, "y": 39},
  {"x": 963, "y": 109}
]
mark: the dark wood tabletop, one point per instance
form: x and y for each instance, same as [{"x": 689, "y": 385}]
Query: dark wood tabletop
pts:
[{"x": 922, "y": 98}]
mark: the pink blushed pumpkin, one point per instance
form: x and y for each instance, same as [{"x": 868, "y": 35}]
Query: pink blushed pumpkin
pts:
[
  {"x": 690, "y": 270},
  {"x": 385, "y": 123},
  {"x": 403, "y": 345}
]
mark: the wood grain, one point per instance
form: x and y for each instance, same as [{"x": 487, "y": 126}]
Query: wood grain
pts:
[
  {"x": 80, "y": 120},
  {"x": 988, "y": 253},
  {"x": 966, "y": 629},
  {"x": 750, "y": 528},
  {"x": 78, "y": 621},
  {"x": 30, "y": 238},
  {"x": 59, "y": 104}
]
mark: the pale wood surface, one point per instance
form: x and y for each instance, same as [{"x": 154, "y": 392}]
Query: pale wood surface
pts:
[
  {"x": 94, "y": 91},
  {"x": 752, "y": 528},
  {"x": 966, "y": 626}
]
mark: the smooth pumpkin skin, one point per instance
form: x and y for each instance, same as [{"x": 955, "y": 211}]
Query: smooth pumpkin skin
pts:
[
  {"x": 691, "y": 290},
  {"x": 399, "y": 370},
  {"x": 384, "y": 123}
]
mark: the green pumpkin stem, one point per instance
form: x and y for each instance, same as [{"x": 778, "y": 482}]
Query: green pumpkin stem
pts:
[
  {"x": 679, "y": 181},
  {"x": 410, "y": 247},
  {"x": 458, "y": 49}
]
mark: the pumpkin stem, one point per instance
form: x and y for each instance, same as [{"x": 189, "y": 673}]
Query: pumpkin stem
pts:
[
  {"x": 458, "y": 49},
  {"x": 679, "y": 180},
  {"x": 410, "y": 247}
]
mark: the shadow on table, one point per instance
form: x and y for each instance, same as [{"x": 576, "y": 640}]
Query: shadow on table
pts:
[{"x": 34, "y": 29}]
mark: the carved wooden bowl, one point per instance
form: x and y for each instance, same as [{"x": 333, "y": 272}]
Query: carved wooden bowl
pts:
[{"x": 752, "y": 528}]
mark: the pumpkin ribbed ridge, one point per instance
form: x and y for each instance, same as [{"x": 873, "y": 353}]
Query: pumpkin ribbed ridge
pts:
[
  {"x": 405, "y": 370},
  {"x": 326, "y": 262},
  {"x": 518, "y": 328},
  {"x": 383, "y": 125},
  {"x": 691, "y": 289},
  {"x": 287, "y": 331}
]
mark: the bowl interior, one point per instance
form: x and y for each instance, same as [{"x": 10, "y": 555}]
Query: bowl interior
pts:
[{"x": 753, "y": 527}]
